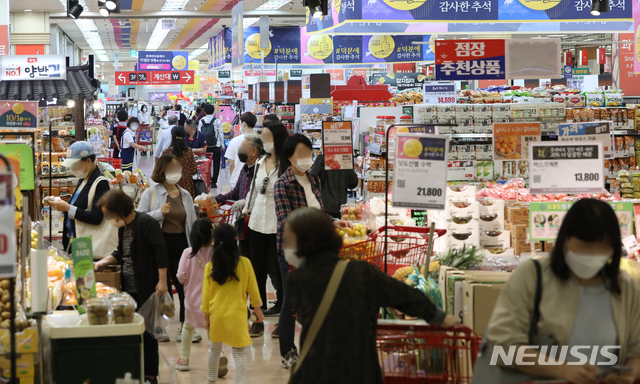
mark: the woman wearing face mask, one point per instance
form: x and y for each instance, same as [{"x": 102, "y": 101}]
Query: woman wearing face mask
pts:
[
  {"x": 185, "y": 155},
  {"x": 82, "y": 211},
  {"x": 586, "y": 301},
  {"x": 294, "y": 189},
  {"x": 144, "y": 116},
  {"x": 261, "y": 206},
  {"x": 172, "y": 207},
  {"x": 348, "y": 333},
  {"x": 129, "y": 144},
  {"x": 142, "y": 254}
]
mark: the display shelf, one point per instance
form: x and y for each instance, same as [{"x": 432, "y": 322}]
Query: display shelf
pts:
[
  {"x": 312, "y": 128},
  {"x": 470, "y": 135},
  {"x": 626, "y": 132}
]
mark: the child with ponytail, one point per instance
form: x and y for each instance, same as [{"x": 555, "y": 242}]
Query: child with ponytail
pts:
[
  {"x": 227, "y": 280},
  {"x": 190, "y": 274}
]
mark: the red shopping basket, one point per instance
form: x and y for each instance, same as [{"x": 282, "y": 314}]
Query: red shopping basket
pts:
[
  {"x": 224, "y": 215},
  {"x": 115, "y": 163},
  {"x": 415, "y": 353},
  {"x": 405, "y": 246}
]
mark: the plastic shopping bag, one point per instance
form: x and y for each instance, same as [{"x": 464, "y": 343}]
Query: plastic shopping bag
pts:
[{"x": 153, "y": 310}]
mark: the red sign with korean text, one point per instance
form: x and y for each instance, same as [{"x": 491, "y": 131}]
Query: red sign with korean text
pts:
[
  {"x": 629, "y": 81},
  {"x": 470, "y": 59},
  {"x": 584, "y": 57},
  {"x": 155, "y": 77},
  {"x": 602, "y": 55},
  {"x": 568, "y": 58}
]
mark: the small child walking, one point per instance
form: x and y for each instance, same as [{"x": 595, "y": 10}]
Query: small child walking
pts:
[
  {"x": 190, "y": 274},
  {"x": 227, "y": 280}
]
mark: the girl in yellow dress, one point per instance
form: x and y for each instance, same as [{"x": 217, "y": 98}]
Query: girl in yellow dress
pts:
[{"x": 227, "y": 280}]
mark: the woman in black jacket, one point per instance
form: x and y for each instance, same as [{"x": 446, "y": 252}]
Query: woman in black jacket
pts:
[
  {"x": 344, "y": 350},
  {"x": 143, "y": 257}
]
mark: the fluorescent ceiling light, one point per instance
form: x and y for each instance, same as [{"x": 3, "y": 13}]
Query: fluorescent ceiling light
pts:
[
  {"x": 173, "y": 5},
  {"x": 249, "y": 21},
  {"x": 198, "y": 51},
  {"x": 28, "y": 10},
  {"x": 272, "y": 4},
  {"x": 157, "y": 36}
]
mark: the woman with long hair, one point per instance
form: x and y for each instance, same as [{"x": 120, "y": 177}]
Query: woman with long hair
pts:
[
  {"x": 261, "y": 206},
  {"x": 227, "y": 280},
  {"x": 185, "y": 155}
]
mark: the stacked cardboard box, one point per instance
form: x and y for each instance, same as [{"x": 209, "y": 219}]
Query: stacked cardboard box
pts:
[{"x": 517, "y": 217}]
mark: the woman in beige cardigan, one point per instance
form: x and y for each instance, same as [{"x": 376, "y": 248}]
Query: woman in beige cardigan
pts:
[{"x": 586, "y": 300}]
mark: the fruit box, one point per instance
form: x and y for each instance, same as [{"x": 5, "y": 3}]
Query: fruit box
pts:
[
  {"x": 24, "y": 365},
  {"x": 27, "y": 341},
  {"x": 517, "y": 214}
]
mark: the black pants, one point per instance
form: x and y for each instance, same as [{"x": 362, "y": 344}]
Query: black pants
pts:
[
  {"x": 286, "y": 321},
  {"x": 176, "y": 243},
  {"x": 264, "y": 250},
  {"x": 217, "y": 156},
  {"x": 116, "y": 152},
  {"x": 151, "y": 358}
]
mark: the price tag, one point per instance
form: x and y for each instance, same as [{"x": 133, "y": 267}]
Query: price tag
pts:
[
  {"x": 630, "y": 243},
  {"x": 439, "y": 93},
  {"x": 566, "y": 168},
  {"x": 589, "y": 132},
  {"x": 420, "y": 171},
  {"x": 338, "y": 147}
]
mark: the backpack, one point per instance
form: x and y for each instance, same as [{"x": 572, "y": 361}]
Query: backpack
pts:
[{"x": 209, "y": 130}]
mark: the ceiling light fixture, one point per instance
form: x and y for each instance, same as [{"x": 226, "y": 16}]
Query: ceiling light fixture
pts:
[
  {"x": 317, "y": 8},
  {"x": 198, "y": 51},
  {"x": 317, "y": 12},
  {"x": 599, "y": 6},
  {"x": 70, "y": 104},
  {"x": 28, "y": 10},
  {"x": 112, "y": 4},
  {"x": 74, "y": 9}
]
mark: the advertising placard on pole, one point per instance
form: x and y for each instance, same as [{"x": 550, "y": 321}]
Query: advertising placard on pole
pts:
[
  {"x": 420, "y": 171},
  {"x": 83, "y": 269},
  {"x": 573, "y": 168},
  {"x": 337, "y": 145}
]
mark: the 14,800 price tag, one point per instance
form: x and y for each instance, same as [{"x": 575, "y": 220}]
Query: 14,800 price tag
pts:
[
  {"x": 566, "y": 167},
  {"x": 439, "y": 93}
]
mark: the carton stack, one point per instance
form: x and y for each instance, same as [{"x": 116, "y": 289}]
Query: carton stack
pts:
[
  {"x": 27, "y": 348},
  {"x": 517, "y": 217}
]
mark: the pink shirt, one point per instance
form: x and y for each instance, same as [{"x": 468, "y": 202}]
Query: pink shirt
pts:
[{"x": 190, "y": 274}]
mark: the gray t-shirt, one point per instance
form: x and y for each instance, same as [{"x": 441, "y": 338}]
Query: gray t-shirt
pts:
[{"x": 594, "y": 323}]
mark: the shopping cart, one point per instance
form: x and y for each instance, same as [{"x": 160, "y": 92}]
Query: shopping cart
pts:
[
  {"x": 115, "y": 163},
  {"x": 405, "y": 246},
  {"x": 224, "y": 214},
  {"x": 411, "y": 352},
  {"x": 204, "y": 168}
]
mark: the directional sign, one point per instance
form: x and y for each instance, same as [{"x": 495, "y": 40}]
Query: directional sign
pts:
[{"x": 155, "y": 77}]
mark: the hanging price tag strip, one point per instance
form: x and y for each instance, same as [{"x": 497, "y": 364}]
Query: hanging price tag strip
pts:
[
  {"x": 338, "y": 147},
  {"x": 438, "y": 93},
  {"x": 589, "y": 132},
  {"x": 566, "y": 168},
  {"x": 420, "y": 171}
]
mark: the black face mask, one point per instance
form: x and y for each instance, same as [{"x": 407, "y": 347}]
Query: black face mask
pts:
[{"x": 243, "y": 157}]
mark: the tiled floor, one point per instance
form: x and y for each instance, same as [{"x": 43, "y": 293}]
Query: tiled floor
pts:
[{"x": 263, "y": 355}]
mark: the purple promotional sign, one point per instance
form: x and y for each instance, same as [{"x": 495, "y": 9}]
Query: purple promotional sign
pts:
[{"x": 158, "y": 96}]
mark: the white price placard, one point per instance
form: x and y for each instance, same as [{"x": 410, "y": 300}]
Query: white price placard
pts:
[
  {"x": 439, "y": 93},
  {"x": 420, "y": 171},
  {"x": 601, "y": 131},
  {"x": 575, "y": 168}
]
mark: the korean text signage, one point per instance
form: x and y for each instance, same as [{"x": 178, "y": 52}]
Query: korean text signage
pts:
[
  {"x": 545, "y": 219},
  {"x": 337, "y": 144},
  {"x": 83, "y": 268},
  {"x": 21, "y": 158},
  {"x": 36, "y": 67},
  {"x": 406, "y": 128},
  {"x": 19, "y": 114},
  {"x": 470, "y": 59},
  {"x": 399, "y": 80},
  {"x": 155, "y": 77},
  {"x": 224, "y": 74},
  {"x": 295, "y": 73},
  {"x": 566, "y": 168},
  {"x": 589, "y": 132},
  {"x": 420, "y": 171},
  {"x": 438, "y": 93},
  {"x": 163, "y": 60},
  {"x": 7, "y": 227},
  {"x": 237, "y": 42},
  {"x": 510, "y": 140}
]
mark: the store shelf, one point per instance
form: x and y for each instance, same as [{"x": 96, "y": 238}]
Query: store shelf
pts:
[
  {"x": 312, "y": 129},
  {"x": 626, "y": 132},
  {"x": 470, "y": 135}
]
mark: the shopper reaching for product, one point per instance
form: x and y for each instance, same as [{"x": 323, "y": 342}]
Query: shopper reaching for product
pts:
[
  {"x": 227, "y": 280},
  {"x": 348, "y": 330}
]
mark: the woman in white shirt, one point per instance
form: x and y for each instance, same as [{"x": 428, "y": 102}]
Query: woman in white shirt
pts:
[
  {"x": 144, "y": 116},
  {"x": 262, "y": 208}
]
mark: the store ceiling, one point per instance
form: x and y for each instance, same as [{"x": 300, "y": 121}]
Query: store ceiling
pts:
[{"x": 120, "y": 35}]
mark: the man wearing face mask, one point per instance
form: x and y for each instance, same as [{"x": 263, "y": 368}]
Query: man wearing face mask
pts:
[
  {"x": 80, "y": 212},
  {"x": 129, "y": 144},
  {"x": 247, "y": 121}
]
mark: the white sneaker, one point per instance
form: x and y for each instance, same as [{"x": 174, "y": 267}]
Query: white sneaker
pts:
[
  {"x": 164, "y": 337},
  {"x": 196, "y": 338},
  {"x": 290, "y": 359}
]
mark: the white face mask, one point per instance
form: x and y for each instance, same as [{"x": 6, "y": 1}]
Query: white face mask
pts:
[
  {"x": 116, "y": 223},
  {"x": 173, "y": 178},
  {"x": 303, "y": 164},
  {"x": 269, "y": 147},
  {"x": 80, "y": 174},
  {"x": 292, "y": 258},
  {"x": 134, "y": 127},
  {"x": 585, "y": 266}
]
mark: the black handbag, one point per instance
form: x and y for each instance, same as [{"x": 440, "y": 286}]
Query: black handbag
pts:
[
  {"x": 486, "y": 373},
  {"x": 199, "y": 186},
  {"x": 242, "y": 222}
]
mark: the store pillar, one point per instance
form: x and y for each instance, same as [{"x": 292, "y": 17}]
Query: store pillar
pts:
[
  {"x": 78, "y": 118},
  {"x": 30, "y": 33},
  {"x": 4, "y": 28}
]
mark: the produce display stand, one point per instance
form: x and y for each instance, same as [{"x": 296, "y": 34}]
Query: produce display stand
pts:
[
  {"x": 412, "y": 352},
  {"x": 77, "y": 352}
]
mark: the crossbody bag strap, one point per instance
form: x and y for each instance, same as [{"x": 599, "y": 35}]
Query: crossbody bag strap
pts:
[
  {"x": 153, "y": 199},
  {"x": 253, "y": 188},
  {"x": 323, "y": 310},
  {"x": 92, "y": 191},
  {"x": 535, "y": 316}
]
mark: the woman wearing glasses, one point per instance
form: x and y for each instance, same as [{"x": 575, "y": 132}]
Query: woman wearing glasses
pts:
[{"x": 261, "y": 206}]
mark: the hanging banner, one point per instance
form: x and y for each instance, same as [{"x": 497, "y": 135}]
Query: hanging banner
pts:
[
  {"x": 392, "y": 49},
  {"x": 400, "y": 80},
  {"x": 470, "y": 59},
  {"x": 163, "y": 60},
  {"x": 573, "y": 168},
  {"x": 636, "y": 28},
  {"x": 420, "y": 171},
  {"x": 568, "y": 59},
  {"x": 237, "y": 40},
  {"x": 602, "y": 55},
  {"x": 283, "y": 47},
  {"x": 19, "y": 114},
  {"x": 584, "y": 57},
  {"x": 36, "y": 67},
  {"x": 590, "y": 132},
  {"x": 337, "y": 145},
  {"x": 220, "y": 49},
  {"x": 623, "y": 67}
]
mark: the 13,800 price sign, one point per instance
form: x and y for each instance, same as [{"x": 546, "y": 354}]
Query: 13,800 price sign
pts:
[
  {"x": 557, "y": 167},
  {"x": 420, "y": 171}
]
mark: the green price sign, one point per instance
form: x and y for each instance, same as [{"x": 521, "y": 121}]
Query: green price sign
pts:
[{"x": 83, "y": 269}]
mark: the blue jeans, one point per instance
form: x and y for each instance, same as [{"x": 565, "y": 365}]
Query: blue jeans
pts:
[{"x": 287, "y": 323}]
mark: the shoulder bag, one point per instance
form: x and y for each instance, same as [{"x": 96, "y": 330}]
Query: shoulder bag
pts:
[
  {"x": 104, "y": 236},
  {"x": 242, "y": 222},
  {"x": 323, "y": 310},
  {"x": 199, "y": 186},
  {"x": 485, "y": 373}
]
